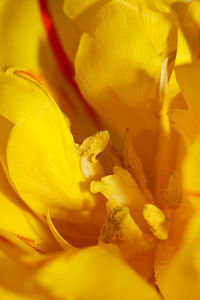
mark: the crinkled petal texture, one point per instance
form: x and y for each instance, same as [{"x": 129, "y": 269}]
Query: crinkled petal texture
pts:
[
  {"x": 38, "y": 150},
  {"x": 96, "y": 273},
  {"x": 126, "y": 50},
  {"x": 118, "y": 68}
]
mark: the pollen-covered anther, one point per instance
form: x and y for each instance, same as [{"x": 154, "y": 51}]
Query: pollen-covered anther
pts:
[
  {"x": 91, "y": 170},
  {"x": 132, "y": 162},
  {"x": 134, "y": 165},
  {"x": 114, "y": 155},
  {"x": 157, "y": 221},
  {"x": 173, "y": 193},
  {"x": 119, "y": 225},
  {"x": 95, "y": 144}
]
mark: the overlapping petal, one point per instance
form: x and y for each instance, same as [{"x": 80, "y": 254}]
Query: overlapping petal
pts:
[
  {"x": 128, "y": 53},
  {"x": 119, "y": 65},
  {"x": 16, "y": 219},
  {"x": 38, "y": 53},
  {"x": 123, "y": 52},
  {"x": 40, "y": 156},
  {"x": 191, "y": 173},
  {"x": 180, "y": 280},
  {"x": 95, "y": 273}
]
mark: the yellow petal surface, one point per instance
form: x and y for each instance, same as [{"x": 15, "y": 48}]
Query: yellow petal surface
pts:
[
  {"x": 188, "y": 48},
  {"x": 82, "y": 16},
  {"x": 185, "y": 123},
  {"x": 73, "y": 8},
  {"x": 12, "y": 275},
  {"x": 62, "y": 242},
  {"x": 191, "y": 179},
  {"x": 180, "y": 279},
  {"x": 33, "y": 52},
  {"x": 188, "y": 79},
  {"x": 18, "y": 249},
  {"x": 17, "y": 48},
  {"x": 42, "y": 160},
  {"x": 121, "y": 70},
  {"x": 16, "y": 219},
  {"x": 90, "y": 270}
]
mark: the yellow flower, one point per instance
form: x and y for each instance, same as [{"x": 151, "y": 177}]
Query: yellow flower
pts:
[{"x": 99, "y": 149}]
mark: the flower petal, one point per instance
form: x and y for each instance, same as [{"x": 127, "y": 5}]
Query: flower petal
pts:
[
  {"x": 188, "y": 48},
  {"x": 118, "y": 68},
  {"x": 90, "y": 270},
  {"x": 121, "y": 70},
  {"x": 16, "y": 219},
  {"x": 180, "y": 279},
  {"x": 188, "y": 79},
  {"x": 12, "y": 274},
  {"x": 33, "y": 52},
  {"x": 191, "y": 180},
  {"x": 42, "y": 160},
  {"x": 73, "y": 9},
  {"x": 62, "y": 242}
]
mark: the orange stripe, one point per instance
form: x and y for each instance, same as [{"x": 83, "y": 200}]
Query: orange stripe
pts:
[{"x": 193, "y": 194}]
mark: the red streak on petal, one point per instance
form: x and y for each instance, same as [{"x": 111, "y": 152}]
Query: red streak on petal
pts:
[
  {"x": 35, "y": 78},
  {"x": 5, "y": 240},
  {"x": 38, "y": 250},
  {"x": 29, "y": 242},
  {"x": 25, "y": 239},
  {"x": 65, "y": 65},
  {"x": 193, "y": 194},
  {"x": 27, "y": 74}
]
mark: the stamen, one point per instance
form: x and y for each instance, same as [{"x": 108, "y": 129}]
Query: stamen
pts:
[
  {"x": 91, "y": 170},
  {"x": 173, "y": 192},
  {"x": 94, "y": 144},
  {"x": 119, "y": 225},
  {"x": 122, "y": 188},
  {"x": 157, "y": 221},
  {"x": 114, "y": 155},
  {"x": 132, "y": 162},
  {"x": 134, "y": 165}
]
